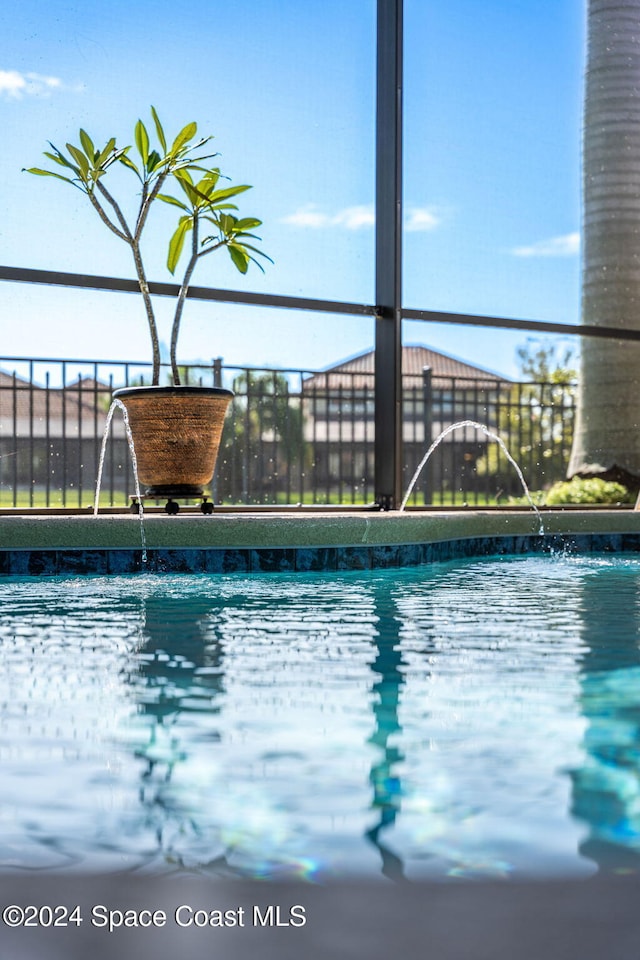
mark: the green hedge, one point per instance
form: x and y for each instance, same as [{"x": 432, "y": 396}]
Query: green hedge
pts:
[{"x": 588, "y": 490}]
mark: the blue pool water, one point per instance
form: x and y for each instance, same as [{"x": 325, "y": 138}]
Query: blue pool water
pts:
[{"x": 472, "y": 719}]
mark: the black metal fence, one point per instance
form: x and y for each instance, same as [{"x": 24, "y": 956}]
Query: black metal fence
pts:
[{"x": 291, "y": 436}]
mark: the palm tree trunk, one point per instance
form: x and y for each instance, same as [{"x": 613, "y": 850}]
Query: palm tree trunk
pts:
[{"x": 607, "y": 434}]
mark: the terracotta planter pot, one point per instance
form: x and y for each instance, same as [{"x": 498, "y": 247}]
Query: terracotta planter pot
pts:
[{"x": 176, "y": 434}]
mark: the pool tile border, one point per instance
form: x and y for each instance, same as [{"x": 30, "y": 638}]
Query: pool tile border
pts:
[{"x": 232, "y": 560}]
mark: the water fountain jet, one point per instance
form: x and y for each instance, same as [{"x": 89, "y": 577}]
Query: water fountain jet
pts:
[
  {"x": 492, "y": 436},
  {"x": 134, "y": 464}
]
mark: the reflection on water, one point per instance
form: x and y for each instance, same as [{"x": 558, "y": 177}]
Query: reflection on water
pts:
[
  {"x": 606, "y": 787},
  {"x": 178, "y": 671},
  {"x": 476, "y": 720},
  {"x": 384, "y": 776}
]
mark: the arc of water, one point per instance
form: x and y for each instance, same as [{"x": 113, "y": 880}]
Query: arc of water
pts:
[
  {"x": 492, "y": 436},
  {"x": 134, "y": 464}
]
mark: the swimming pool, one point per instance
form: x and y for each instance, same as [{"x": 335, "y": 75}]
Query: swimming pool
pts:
[{"x": 471, "y": 719}]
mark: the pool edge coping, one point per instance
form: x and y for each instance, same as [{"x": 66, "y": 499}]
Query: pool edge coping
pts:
[{"x": 46, "y": 545}]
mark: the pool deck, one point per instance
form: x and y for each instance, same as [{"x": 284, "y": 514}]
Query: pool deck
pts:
[
  {"x": 281, "y": 530},
  {"x": 32, "y": 544}
]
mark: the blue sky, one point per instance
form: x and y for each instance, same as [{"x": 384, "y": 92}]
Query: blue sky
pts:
[{"x": 492, "y": 166}]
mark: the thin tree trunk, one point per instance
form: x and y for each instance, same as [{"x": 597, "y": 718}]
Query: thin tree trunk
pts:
[{"x": 607, "y": 433}]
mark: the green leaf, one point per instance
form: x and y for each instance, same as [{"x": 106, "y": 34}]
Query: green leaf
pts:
[
  {"x": 239, "y": 257},
  {"x": 159, "y": 130},
  {"x": 258, "y": 264},
  {"x": 207, "y": 184},
  {"x": 49, "y": 173},
  {"x": 127, "y": 162},
  {"x": 195, "y": 199},
  {"x": 223, "y": 222},
  {"x": 248, "y": 246},
  {"x": 218, "y": 208},
  {"x": 199, "y": 198},
  {"x": 187, "y": 133},
  {"x": 153, "y": 161},
  {"x": 197, "y": 145},
  {"x": 59, "y": 158},
  {"x": 105, "y": 152},
  {"x": 193, "y": 163},
  {"x": 183, "y": 175},
  {"x": 68, "y": 165},
  {"x": 228, "y": 192},
  {"x": 115, "y": 156},
  {"x": 87, "y": 145},
  {"x": 176, "y": 243},
  {"x": 142, "y": 141},
  {"x": 167, "y": 198},
  {"x": 248, "y": 223},
  {"x": 80, "y": 159}
]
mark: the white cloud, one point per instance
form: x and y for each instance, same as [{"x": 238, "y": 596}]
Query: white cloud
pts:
[
  {"x": 308, "y": 217},
  {"x": 565, "y": 246},
  {"x": 354, "y": 218},
  {"x": 357, "y": 218},
  {"x": 419, "y": 219},
  {"x": 15, "y": 85}
]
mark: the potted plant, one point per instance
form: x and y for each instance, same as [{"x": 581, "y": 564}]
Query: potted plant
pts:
[{"x": 176, "y": 429}]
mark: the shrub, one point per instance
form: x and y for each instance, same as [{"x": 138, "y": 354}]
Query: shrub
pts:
[{"x": 588, "y": 490}]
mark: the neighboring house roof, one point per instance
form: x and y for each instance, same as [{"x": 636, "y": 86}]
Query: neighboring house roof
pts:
[
  {"x": 89, "y": 386},
  {"x": 357, "y": 374},
  {"x": 358, "y": 371},
  {"x": 29, "y": 410}
]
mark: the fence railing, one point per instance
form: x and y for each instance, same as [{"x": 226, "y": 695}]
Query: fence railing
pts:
[{"x": 291, "y": 436}]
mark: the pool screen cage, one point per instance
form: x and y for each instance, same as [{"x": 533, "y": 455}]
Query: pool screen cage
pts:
[{"x": 382, "y": 459}]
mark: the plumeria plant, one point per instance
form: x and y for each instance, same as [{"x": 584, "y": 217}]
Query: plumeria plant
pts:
[{"x": 205, "y": 215}]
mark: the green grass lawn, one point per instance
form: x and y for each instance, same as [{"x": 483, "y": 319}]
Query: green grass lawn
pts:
[{"x": 39, "y": 499}]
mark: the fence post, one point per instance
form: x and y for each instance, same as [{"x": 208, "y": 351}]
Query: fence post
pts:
[
  {"x": 217, "y": 372},
  {"x": 388, "y": 324},
  {"x": 427, "y": 396}
]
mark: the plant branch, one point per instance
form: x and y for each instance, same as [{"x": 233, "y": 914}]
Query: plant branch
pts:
[
  {"x": 148, "y": 305},
  {"x": 184, "y": 287},
  {"x": 103, "y": 216},
  {"x": 147, "y": 200},
  {"x": 143, "y": 204},
  {"x": 118, "y": 212},
  {"x": 142, "y": 281},
  {"x": 216, "y": 246}
]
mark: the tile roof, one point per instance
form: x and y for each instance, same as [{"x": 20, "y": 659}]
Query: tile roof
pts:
[
  {"x": 358, "y": 371},
  {"x": 27, "y": 409}
]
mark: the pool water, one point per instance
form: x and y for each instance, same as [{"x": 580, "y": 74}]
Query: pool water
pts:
[{"x": 472, "y": 719}]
